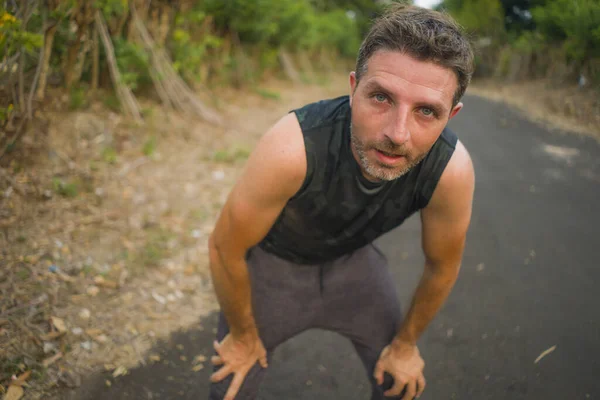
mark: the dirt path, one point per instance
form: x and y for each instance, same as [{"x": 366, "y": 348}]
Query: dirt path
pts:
[{"x": 108, "y": 231}]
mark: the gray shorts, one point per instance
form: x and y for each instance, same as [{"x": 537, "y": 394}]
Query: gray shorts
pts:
[{"x": 353, "y": 296}]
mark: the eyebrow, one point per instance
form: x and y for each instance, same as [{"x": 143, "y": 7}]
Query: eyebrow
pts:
[{"x": 375, "y": 86}]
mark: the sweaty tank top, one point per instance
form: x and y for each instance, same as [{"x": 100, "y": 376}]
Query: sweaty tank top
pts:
[{"x": 337, "y": 210}]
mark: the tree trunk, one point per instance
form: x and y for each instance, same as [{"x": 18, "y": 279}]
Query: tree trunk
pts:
[
  {"x": 72, "y": 54},
  {"x": 163, "y": 27},
  {"x": 142, "y": 14},
  {"x": 288, "y": 66},
  {"x": 81, "y": 59},
  {"x": 48, "y": 40},
  {"x": 121, "y": 24},
  {"x": 95, "y": 58},
  {"x": 34, "y": 85},
  {"x": 21, "y": 83}
]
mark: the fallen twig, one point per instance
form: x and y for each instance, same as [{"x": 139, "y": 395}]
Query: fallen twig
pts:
[
  {"x": 544, "y": 354},
  {"x": 51, "y": 360}
]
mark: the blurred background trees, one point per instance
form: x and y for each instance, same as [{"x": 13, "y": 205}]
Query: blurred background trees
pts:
[
  {"x": 529, "y": 39},
  {"x": 164, "y": 48}
]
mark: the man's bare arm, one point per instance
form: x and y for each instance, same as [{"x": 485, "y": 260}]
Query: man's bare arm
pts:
[
  {"x": 445, "y": 222},
  {"x": 274, "y": 173}
]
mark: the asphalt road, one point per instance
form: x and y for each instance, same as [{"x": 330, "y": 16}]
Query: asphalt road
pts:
[{"x": 530, "y": 281}]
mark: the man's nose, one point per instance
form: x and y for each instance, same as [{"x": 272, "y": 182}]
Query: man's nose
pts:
[{"x": 399, "y": 133}]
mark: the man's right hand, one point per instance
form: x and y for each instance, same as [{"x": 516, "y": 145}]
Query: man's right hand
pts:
[
  {"x": 273, "y": 174},
  {"x": 237, "y": 356}
]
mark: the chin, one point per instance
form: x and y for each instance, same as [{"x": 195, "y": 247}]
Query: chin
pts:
[{"x": 384, "y": 173}]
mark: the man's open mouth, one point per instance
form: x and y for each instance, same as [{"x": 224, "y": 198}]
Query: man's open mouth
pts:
[{"x": 387, "y": 157}]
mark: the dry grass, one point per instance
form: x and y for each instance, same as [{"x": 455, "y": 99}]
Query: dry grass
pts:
[{"x": 104, "y": 226}]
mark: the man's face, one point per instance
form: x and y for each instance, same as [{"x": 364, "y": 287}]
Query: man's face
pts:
[{"x": 399, "y": 109}]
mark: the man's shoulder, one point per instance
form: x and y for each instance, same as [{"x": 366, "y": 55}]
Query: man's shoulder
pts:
[
  {"x": 460, "y": 163},
  {"x": 322, "y": 112},
  {"x": 458, "y": 176}
]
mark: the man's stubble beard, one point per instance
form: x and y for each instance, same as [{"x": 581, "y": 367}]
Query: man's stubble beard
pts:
[{"x": 379, "y": 171}]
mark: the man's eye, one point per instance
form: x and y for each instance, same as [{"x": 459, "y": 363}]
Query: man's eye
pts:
[
  {"x": 380, "y": 97},
  {"x": 427, "y": 111}
]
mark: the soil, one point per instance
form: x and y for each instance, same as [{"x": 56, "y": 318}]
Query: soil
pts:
[{"x": 104, "y": 223}]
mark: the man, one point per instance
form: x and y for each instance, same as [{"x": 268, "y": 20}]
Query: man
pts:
[{"x": 292, "y": 248}]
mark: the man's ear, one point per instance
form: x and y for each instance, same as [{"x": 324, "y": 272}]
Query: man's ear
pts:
[
  {"x": 352, "y": 85},
  {"x": 456, "y": 110}
]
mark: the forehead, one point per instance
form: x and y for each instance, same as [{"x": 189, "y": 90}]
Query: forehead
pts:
[{"x": 399, "y": 72}]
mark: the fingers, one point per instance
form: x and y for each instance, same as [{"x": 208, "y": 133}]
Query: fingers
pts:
[
  {"x": 397, "y": 389},
  {"x": 411, "y": 391},
  {"x": 216, "y": 346},
  {"x": 378, "y": 373},
  {"x": 263, "y": 361},
  {"x": 420, "y": 385},
  {"x": 236, "y": 383},
  {"x": 217, "y": 360},
  {"x": 221, "y": 374}
]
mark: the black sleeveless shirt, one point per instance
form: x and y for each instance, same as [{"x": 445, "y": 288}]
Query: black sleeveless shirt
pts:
[{"x": 337, "y": 210}]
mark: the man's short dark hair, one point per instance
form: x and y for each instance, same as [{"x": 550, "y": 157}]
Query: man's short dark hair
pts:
[{"x": 423, "y": 34}]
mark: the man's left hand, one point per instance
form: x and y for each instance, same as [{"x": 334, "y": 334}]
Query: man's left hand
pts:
[{"x": 404, "y": 363}]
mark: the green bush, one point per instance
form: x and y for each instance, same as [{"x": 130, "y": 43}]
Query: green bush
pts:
[
  {"x": 14, "y": 36},
  {"x": 133, "y": 63},
  {"x": 295, "y": 24},
  {"x": 190, "y": 46},
  {"x": 78, "y": 98},
  {"x": 574, "y": 22}
]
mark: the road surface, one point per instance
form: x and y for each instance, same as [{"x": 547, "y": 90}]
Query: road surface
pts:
[{"x": 530, "y": 281}]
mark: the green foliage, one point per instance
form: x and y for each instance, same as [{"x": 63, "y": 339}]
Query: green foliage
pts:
[
  {"x": 109, "y": 155},
  {"x": 5, "y": 113},
  {"x": 149, "y": 146},
  {"x": 575, "y": 22},
  {"x": 112, "y": 102},
  {"x": 23, "y": 273},
  {"x": 230, "y": 156},
  {"x": 268, "y": 94},
  {"x": 14, "y": 37},
  {"x": 480, "y": 17},
  {"x": 78, "y": 98},
  {"x": 337, "y": 30},
  {"x": 216, "y": 41},
  {"x": 189, "y": 45},
  {"x": 527, "y": 42},
  {"x": 65, "y": 189},
  {"x": 290, "y": 23},
  {"x": 543, "y": 31},
  {"x": 133, "y": 63},
  {"x": 112, "y": 7}
]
